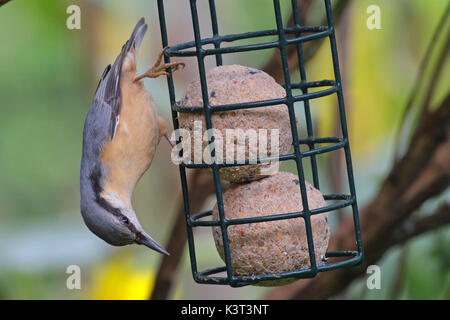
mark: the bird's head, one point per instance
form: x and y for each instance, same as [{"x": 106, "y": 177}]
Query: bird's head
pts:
[{"x": 114, "y": 221}]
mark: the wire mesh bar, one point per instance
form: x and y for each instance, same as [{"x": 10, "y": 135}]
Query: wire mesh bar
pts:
[
  {"x": 348, "y": 159},
  {"x": 259, "y": 104},
  {"x": 314, "y": 84},
  {"x": 205, "y": 276},
  {"x": 301, "y": 64},
  {"x": 194, "y": 220},
  {"x": 207, "y": 114},
  {"x": 266, "y": 160},
  {"x": 184, "y": 186},
  {"x": 180, "y": 50},
  {"x": 298, "y": 34},
  {"x": 215, "y": 29},
  {"x": 292, "y": 118}
]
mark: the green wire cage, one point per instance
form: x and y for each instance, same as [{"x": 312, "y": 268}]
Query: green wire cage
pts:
[{"x": 298, "y": 34}]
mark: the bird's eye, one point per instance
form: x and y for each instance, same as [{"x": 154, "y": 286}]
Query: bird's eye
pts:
[{"x": 124, "y": 220}]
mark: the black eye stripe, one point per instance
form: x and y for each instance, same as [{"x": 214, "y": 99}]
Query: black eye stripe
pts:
[
  {"x": 95, "y": 177},
  {"x": 95, "y": 181}
]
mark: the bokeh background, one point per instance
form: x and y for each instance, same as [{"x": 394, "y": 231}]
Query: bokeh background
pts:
[{"x": 48, "y": 75}]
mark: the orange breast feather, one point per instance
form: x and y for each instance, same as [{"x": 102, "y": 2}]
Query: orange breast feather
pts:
[{"x": 129, "y": 154}]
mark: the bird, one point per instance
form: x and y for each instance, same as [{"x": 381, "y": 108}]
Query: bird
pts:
[{"x": 121, "y": 132}]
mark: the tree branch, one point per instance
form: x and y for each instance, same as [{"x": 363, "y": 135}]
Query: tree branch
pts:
[
  {"x": 2, "y": 2},
  {"x": 411, "y": 229},
  {"x": 200, "y": 186},
  {"x": 336, "y": 159}
]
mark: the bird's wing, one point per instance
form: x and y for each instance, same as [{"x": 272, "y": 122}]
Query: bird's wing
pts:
[{"x": 108, "y": 89}]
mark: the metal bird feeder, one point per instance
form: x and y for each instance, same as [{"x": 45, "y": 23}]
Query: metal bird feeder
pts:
[{"x": 297, "y": 38}]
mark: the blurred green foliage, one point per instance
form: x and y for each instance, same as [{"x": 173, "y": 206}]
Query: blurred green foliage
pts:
[{"x": 48, "y": 77}]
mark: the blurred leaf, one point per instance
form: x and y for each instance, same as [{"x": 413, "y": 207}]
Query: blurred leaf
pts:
[{"x": 119, "y": 279}]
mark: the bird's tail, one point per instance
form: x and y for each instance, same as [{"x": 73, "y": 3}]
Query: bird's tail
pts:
[{"x": 137, "y": 35}]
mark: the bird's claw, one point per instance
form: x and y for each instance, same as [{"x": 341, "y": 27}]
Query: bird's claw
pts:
[{"x": 159, "y": 69}]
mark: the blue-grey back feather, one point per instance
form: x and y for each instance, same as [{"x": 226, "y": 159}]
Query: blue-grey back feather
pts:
[{"x": 108, "y": 90}]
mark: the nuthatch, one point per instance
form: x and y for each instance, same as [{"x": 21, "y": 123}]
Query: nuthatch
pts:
[{"x": 121, "y": 133}]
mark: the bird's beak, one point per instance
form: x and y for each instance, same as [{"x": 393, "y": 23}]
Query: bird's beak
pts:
[{"x": 146, "y": 240}]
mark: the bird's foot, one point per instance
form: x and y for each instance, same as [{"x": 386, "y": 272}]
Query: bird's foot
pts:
[{"x": 159, "y": 68}]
